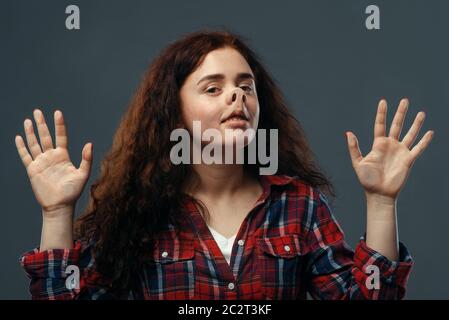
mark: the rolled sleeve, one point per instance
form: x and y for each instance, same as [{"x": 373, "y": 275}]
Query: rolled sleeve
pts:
[
  {"x": 48, "y": 273},
  {"x": 51, "y": 263},
  {"x": 390, "y": 272},
  {"x": 338, "y": 272}
]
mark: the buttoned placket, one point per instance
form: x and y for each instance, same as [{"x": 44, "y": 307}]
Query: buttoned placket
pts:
[{"x": 224, "y": 271}]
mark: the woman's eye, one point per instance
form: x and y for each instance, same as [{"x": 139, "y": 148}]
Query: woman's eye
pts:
[
  {"x": 247, "y": 88},
  {"x": 214, "y": 89},
  {"x": 210, "y": 89}
]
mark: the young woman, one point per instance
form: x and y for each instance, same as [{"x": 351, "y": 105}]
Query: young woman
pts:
[{"x": 158, "y": 230}]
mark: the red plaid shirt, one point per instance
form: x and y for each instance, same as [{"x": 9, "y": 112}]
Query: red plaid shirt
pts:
[{"x": 289, "y": 244}]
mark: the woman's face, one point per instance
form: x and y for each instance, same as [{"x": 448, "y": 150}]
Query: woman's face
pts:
[{"x": 223, "y": 84}]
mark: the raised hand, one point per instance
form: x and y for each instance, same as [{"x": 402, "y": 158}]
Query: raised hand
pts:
[
  {"x": 384, "y": 170},
  {"x": 55, "y": 181}
]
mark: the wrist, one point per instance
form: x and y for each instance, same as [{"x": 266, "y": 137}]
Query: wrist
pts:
[
  {"x": 61, "y": 213},
  {"x": 380, "y": 208},
  {"x": 380, "y": 200},
  {"x": 57, "y": 228},
  {"x": 57, "y": 234}
]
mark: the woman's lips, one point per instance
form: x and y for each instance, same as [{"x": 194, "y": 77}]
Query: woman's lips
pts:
[{"x": 236, "y": 122}]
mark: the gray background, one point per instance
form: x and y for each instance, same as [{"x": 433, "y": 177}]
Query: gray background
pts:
[{"x": 331, "y": 69}]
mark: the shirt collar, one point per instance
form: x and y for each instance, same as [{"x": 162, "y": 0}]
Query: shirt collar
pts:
[
  {"x": 266, "y": 181},
  {"x": 278, "y": 180}
]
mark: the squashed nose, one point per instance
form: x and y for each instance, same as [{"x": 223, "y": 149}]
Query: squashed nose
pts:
[{"x": 234, "y": 96}]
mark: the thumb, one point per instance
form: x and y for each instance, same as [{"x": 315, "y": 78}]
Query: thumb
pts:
[
  {"x": 87, "y": 156},
  {"x": 353, "y": 146}
]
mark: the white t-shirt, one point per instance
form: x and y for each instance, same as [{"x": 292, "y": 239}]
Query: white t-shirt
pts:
[{"x": 225, "y": 244}]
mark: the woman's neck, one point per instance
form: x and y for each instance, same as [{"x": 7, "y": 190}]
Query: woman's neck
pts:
[{"x": 218, "y": 180}]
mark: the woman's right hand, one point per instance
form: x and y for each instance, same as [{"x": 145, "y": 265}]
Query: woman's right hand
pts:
[{"x": 55, "y": 181}]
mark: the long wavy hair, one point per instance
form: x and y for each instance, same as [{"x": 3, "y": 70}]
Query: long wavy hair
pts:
[{"x": 139, "y": 190}]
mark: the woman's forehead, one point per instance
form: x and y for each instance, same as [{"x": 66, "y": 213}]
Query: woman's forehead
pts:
[{"x": 226, "y": 61}]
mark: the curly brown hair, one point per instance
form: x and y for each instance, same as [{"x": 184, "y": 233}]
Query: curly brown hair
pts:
[{"x": 139, "y": 190}]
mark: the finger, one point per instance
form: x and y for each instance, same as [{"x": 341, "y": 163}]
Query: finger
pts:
[
  {"x": 33, "y": 145},
  {"x": 422, "y": 145},
  {"x": 60, "y": 130},
  {"x": 86, "y": 161},
  {"x": 412, "y": 133},
  {"x": 381, "y": 116},
  {"x": 398, "y": 120},
  {"x": 23, "y": 151},
  {"x": 44, "y": 133},
  {"x": 354, "y": 150}
]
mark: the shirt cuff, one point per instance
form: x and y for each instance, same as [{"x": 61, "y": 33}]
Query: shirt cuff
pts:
[
  {"x": 391, "y": 271},
  {"x": 51, "y": 263}
]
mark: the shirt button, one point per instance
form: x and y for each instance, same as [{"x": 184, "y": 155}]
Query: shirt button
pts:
[
  {"x": 164, "y": 254},
  {"x": 231, "y": 286},
  {"x": 241, "y": 242},
  {"x": 287, "y": 248}
]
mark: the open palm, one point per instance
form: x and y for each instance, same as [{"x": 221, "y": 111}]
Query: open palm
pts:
[
  {"x": 54, "y": 179},
  {"x": 385, "y": 168}
]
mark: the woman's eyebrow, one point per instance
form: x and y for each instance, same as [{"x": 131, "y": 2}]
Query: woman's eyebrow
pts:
[{"x": 220, "y": 76}]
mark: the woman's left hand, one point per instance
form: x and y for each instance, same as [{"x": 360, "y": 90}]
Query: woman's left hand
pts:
[{"x": 384, "y": 170}]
